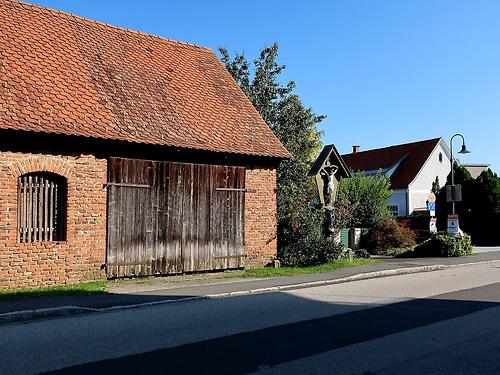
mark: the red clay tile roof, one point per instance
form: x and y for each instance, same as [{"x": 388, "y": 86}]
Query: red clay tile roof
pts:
[
  {"x": 60, "y": 73},
  {"x": 413, "y": 156}
]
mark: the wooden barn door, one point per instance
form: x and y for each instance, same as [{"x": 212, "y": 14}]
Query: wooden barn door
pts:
[
  {"x": 136, "y": 243},
  {"x": 212, "y": 216},
  {"x": 166, "y": 218}
]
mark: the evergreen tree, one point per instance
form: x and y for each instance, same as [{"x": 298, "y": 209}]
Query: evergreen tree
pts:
[
  {"x": 461, "y": 174},
  {"x": 479, "y": 211},
  {"x": 295, "y": 126},
  {"x": 489, "y": 184},
  {"x": 435, "y": 186}
]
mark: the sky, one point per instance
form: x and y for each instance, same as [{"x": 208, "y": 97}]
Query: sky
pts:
[{"x": 384, "y": 72}]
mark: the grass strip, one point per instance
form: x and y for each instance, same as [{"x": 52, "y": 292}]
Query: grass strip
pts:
[
  {"x": 87, "y": 288},
  {"x": 290, "y": 271}
]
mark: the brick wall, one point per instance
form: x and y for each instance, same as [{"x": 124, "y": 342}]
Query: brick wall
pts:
[
  {"x": 83, "y": 254},
  {"x": 78, "y": 258},
  {"x": 260, "y": 216}
]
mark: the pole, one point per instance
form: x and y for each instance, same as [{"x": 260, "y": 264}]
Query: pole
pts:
[
  {"x": 452, "y": 168},
  {"x": 452, "y": 175}
]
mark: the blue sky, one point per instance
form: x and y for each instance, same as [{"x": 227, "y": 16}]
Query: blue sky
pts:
[{"x": 384, "y": 72}]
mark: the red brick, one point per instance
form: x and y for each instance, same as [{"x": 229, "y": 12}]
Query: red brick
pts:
[
  {"x": 48, "y": 263},
  {"x": 260, "y": 216},
  {"x": 80, "y": 257}
]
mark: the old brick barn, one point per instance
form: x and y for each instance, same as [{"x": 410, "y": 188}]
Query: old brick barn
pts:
[{"x": 125, "y": 154}]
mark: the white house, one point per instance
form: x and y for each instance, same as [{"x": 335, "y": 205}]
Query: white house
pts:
[{"x": 411, "y": 168}]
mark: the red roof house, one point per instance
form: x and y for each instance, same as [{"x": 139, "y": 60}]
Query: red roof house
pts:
[{"x": 411, "y": 169}]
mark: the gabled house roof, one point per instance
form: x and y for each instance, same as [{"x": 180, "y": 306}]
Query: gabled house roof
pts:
[
  {"x": 402, "y": 162},
  {"x": 63, "y": 74},
  {"x": 330, "y": 154}
]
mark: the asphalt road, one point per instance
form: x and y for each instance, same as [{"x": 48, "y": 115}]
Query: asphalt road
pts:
[{"x": 430, "y": 323}]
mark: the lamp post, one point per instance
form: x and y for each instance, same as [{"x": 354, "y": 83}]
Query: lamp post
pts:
[{"x": 462, "y": 151}]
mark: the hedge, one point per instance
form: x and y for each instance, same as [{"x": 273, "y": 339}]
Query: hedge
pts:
[{"x": 442, "y": 245}]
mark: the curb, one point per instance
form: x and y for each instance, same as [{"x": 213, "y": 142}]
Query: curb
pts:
[{"x": 24, "y": 315}]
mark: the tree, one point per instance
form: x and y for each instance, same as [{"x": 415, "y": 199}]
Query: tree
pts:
[
  {"x": 366, "y": 198},
  {"x": 435, "y": 186},
  {"x": 479, "y": 210},
  {"x": 461, "y": 174},
  {"x": 489, "y": 184},
  {"x": 484, "y": 209},
  {"x": 295, "y": 126},
  {"x": 261, "y": 85}
]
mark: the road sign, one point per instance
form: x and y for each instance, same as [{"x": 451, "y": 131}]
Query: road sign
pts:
[
  {"x": 431, "y": 207},
  {"x": 433, "y": 225},
  {"x": 431, "y": 198},
  {"x": 453, "y": 193},
  {"x": 453, "y": 225}
]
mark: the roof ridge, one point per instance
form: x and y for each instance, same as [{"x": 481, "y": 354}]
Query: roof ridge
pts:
[
  {"x": 394, "y": 146},
  {"x": 67, "y": 14}
]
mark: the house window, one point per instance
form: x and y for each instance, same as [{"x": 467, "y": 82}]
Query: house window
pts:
[
  {"x": 41, "y": 207},
  {"x": 440, "y": 157},
  {"x": 394, "y": 208}
]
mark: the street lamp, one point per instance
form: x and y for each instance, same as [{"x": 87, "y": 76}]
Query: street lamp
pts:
[{"x": 462, "y": 151}]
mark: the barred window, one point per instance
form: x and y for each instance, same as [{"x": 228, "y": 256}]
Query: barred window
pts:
[
  {"x": 41, "y": 207},
  {"x": 394, "y": 208}
]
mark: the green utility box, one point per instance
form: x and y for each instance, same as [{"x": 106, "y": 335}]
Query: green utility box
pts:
[
  {"x": 351, "y": 237},
  {"x": 344, "y": 237}
]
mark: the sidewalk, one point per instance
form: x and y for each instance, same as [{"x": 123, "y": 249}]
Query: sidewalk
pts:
[{"x": 163, "y": 290}]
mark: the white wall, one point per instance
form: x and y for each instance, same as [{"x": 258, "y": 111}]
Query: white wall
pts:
[
  {"x": 419, "y": 199},
  {"x": 420, "y": 188},
  {"x": 399, "y": 198}
]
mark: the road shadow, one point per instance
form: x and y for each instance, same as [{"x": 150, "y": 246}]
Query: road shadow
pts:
[
  {"x": 95, "y": 301},
  {"x": 251, "y": 351}
]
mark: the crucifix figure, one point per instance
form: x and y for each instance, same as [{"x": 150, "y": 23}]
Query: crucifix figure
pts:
[{"x": 327, "y": 174}]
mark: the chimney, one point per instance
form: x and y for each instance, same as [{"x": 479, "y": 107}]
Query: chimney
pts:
[{"x": 355, "y": 149}]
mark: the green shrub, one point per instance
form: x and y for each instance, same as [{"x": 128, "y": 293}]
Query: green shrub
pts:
[
  {"x": 305, "y": 243},
  {"x": 442, "y": 245},
  {"x": 387, "y": 236},
  {"x": 365, "y": 198},
  {"x": 400, "y": 252},
  {"x": 310, "y": 251},
  {"x": 361, "y": 253},
  {"x": 428, "y": 248}
]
